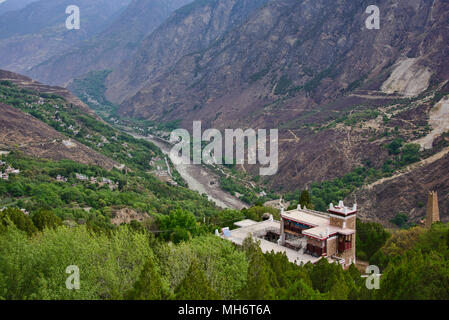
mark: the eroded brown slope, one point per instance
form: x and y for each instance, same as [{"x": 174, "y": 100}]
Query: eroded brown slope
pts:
[{"x": 407, "y": 192}]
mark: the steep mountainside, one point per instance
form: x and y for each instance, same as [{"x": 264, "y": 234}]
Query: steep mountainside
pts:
[
  {"x": 21, "y": 131},
  {"x": 190, "y": 29},
  {"x": 284, "y": 52},
  {"x": 36, "y": 32},
  {"x": 110, "y": 47},
  {"x": 30, "y": 84},
  {"x": 407, "y": 192},
  {"x": 342, "y": 96}
]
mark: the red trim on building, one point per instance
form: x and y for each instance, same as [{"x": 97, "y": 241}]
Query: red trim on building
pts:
[
  {"x": 342, "y": 214},
  {"x": 301, "y": 222}
]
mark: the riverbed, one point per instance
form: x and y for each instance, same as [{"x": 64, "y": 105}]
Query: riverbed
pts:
[{"x": 199, "y": 178}]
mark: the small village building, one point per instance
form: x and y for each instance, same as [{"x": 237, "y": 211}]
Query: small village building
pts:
[
  {"x": 11, "y": 170},
  {"x": 60, "y": 178},
  {"x": 119, "y": 166},
  {"x": 81, "y": 177},
  {"x": 106, "y": 180}
]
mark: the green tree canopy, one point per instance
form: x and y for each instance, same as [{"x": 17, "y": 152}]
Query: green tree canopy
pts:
[
  {"x": 416, "y": 276},
  {"x": 370, "y": 238},
  {"x": 179, "y": 225},
  {"x": 299, "y": 290},
  {"x": 45, "y": 219},
  {"x": 150, "y": 285},
  {"x": 195, "y": 285},
  {"x": 260, "y": 276},
  {"x": 18, "y": 218},
  {"x": 305, "y": 200}
]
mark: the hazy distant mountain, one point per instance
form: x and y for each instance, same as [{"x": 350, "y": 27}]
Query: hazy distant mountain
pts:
[
  {"x": 36, "y": 32},
  {"x": 112, "y": 46},
  {"x": 11, "y": 5}
]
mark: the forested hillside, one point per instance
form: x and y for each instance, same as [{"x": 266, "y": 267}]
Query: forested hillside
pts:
[{"x": 131, "y": 262}]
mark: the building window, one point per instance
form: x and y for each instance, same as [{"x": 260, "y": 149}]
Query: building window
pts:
[{"x": 344, "y": 243}]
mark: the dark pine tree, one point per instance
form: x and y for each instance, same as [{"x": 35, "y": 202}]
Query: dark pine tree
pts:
[
  {"x": 149, "y": 286},
  {"x": 195, "y": 285}
]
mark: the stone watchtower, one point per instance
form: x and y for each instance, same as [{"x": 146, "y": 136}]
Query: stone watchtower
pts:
[
  {"x": 432, "y": 213},
  {"x": 344, "y": 218}
]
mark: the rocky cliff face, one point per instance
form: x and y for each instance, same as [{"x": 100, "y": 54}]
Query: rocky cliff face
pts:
[
  {"x": 109, "y": 48},
  {"x": 306, "y": 53},
  {"x": 190, "y": 29},
  {"x": 407, "y": 192}
]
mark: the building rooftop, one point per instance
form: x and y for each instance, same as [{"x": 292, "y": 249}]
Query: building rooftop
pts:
[
  {"x": 245, "y": 223},
  {"x": 237, "y": 236}
]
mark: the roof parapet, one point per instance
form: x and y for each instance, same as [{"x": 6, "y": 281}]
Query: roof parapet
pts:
[{"x": 342, "y": 209}]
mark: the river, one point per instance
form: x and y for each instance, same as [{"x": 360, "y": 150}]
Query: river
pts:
[{"x": 199, "y": 178}]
